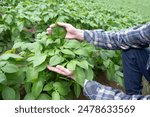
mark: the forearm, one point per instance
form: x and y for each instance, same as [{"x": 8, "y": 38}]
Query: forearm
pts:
[
  {"x": 135, "y": 37},
  {"x": 96, "y": 91}
]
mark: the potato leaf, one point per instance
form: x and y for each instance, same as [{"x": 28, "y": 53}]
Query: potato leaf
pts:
[
  {"x": 58, "y": 32},
  {"x": 55, "y": 96},
  {"x": 8, "y": 93},
  {"x": 39, "y": 59},
  {"x": 79, "y": 75},
  {"x": 10, "y": 68},
  {"x": 37, "y": 88},
  {"x": 55, "y": 60},
  {"x": 2, "y": 77}
]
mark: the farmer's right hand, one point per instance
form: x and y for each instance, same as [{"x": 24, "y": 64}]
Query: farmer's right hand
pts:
[
  {"x": 72, "y": 32},
  {"x": 61, "y": 70}
]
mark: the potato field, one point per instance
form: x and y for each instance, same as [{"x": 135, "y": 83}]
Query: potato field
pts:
[{"x": 26, "y": 50}]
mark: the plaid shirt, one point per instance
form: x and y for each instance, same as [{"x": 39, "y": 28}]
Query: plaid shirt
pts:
[
  {"x": 96, "y": 91},
  {"x": 136, "y": 37}
]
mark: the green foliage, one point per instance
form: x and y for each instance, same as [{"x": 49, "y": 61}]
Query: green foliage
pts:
[
  {"x": 58, "y": 32},
  {"x": 9, "y": 68},
  {"x": 8, "y": 93},
  {"x": 58, "y": 55},
  {"x": 134, "y": 7},
  {"x": 33, "y": 58},
  {"x": 26, "y": 50}
]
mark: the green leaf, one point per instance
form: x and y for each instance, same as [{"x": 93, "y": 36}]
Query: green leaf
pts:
[
  {"x": 51, "y": 52},
  {"x": 35, "y": 47},
  {"x": 18, "y": 44},
  {"x": 71, "y": 44},
  {"x": 79, "y": 75},
  {"x": 55, "y": 96},
  {"x": 107, "y": 63},
  {"x": 52, "y": 14},
  {"x": 2, "y": 77},
  {"x": 61, "y": 88},
  {"x": 89, "y": 74},
  {"x": 20, "y": 25},
  {"x": 58, "y": 32},
  {"x": 29, "y": 96},
  {"x": 31, "y": 74},
  {"x": 2, "y": 63},
  {"x": 77, "y": 90},
  {"x": 8, "y": 18},
  {"x": 119, "y": 80},
  {"x": 37, "y": 88},
  {"x": 27, "y": 87},
  {"x": 55, "y": 60},
  {"x": 48, "y": 87},
  {"x": 57, "y": 51},
  {"x": 17, "y": 94},
  {"x": 81, "y": 52},
  {"x": 110, "y": 69},
  {"x": 46, "y": 18},
  {"x": 9, "y": 55},
  {"x": 62, "y": 18},
  {"x": 84, "y": 64},
  {"x": 16, "y": 78},
  {"x": 44, "y": 96},
  {"x": 39, "y": 59},
  {"x": 72, "y": 65},
  {"x": 1, "y": 29},
  {"x": 10, "y": 68},
  {"x": 41, "y": 67},
  {"x": 1, "y": 49},
  {"x": 119, "y": 73},
  {"x": 68, "y": 52},
  {"x": 8, "y": 93},
  {"x": 90, "y": 48}
]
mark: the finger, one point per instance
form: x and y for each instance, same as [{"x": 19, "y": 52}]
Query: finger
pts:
[
  {"x": 52, "y": 25},
  {"x": 62, "y": 68},
  {"x": 49, "y": 31},
  {"x": 54, "y": 69},
  {"x": 68, "y": 72}
]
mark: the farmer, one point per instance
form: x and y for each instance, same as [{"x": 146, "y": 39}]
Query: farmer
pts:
[{"x": 135, "y": 56}]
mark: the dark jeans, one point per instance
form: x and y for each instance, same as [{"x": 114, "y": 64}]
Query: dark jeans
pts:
[{"x": 134, "y": 67}]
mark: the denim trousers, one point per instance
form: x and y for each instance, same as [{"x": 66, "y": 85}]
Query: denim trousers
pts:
[{"x": 134, "y": 68}]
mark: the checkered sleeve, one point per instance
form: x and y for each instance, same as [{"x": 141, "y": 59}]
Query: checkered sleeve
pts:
[
  {"x": 96, "y": 91},
  {"x": 135, "y": 37}
]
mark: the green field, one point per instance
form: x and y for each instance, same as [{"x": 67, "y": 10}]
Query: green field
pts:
[
  {"x": 26, "y": 49},
  {"x": 139, "y": 7}
]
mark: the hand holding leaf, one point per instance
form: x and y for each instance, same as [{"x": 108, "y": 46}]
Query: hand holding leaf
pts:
[
  {"x": 61, "y": 70},
  {"x": 72, "y": 32}
]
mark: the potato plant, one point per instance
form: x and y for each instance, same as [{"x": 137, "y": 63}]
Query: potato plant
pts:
[
  {"x": 25, "y": 67},
  {"x": 26, "y": 50}
]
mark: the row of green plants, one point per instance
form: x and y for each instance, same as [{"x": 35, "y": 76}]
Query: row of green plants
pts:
[
  {"x": 137, "y": 8},
  {"x": 26, "y": 49}
]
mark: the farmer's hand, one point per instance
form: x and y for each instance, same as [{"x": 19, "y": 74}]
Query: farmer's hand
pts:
[
  {"x": 61, "y": 70},
  {"x": 72, "y": 32}
]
